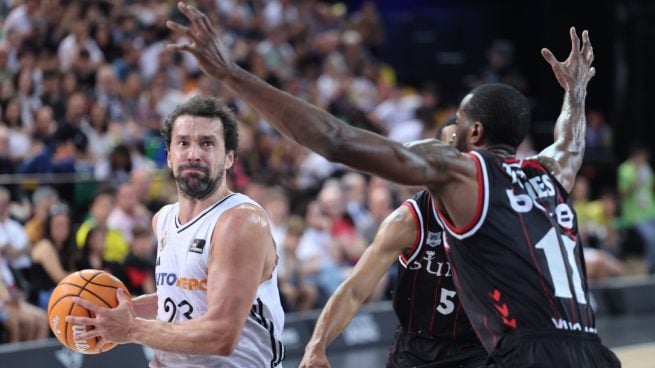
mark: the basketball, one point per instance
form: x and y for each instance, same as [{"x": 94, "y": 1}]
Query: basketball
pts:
[{"x": 96, "y": 286}]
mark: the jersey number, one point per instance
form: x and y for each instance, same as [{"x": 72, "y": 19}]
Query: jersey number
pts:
[
  {"x": 446, "y": 305},
  {"x": 557, "y": 268},
  {"x": 170, "y": 307}
]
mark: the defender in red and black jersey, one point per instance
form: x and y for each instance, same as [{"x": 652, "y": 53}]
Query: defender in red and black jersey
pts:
[
  {"x": 492, "y": 117},
  {"x": 434, "y": 330},
  {"x": 525, "y": 228}
]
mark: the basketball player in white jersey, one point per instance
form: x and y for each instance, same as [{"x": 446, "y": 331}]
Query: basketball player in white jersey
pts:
[{"x": 217, "y": 302}]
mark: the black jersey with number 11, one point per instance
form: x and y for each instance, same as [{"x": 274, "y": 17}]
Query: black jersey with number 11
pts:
[{"x": 518, "y": 266}]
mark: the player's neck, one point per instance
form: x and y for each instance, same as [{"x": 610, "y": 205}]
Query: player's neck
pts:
[
  {"x": 190, "y": 207},
  {"x": 501, "y": 150}
]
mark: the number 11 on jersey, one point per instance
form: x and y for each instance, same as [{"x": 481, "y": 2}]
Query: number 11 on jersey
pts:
[{"x": 557, "y": 268}]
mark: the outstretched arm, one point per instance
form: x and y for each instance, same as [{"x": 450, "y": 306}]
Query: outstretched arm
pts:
[
  {"x": 307, "y": 124},
  {"x": 398, "y": 231},
  {"x": 573, "y": 74}
]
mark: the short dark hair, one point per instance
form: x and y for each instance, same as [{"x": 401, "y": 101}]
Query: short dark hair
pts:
[
  {"x": 502, "y": 110},
  {"x": 448, "y": 122},
  {"x": 207, "y": 107}
]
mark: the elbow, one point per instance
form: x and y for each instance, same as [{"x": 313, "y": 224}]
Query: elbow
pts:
[
  {"x": 225, "y": 343},
  {"x": 226, "y": 348}
]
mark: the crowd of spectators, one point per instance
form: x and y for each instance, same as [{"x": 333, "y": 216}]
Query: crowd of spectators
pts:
[{"x": 85, "y": 85}]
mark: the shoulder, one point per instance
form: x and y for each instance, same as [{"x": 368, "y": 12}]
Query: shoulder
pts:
[{"x": 246, "y": 214}]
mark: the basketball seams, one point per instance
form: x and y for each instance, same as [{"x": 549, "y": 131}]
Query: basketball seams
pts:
[
  {"x": 100, "y": 285},
  {"x": 82, "y": 288}
]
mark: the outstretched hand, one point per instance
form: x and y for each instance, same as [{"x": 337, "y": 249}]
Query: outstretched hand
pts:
[
  {"x": 111, "y": 325},
  {"x": 575, "y": 72},
  {"x": 206, "y": 44}
]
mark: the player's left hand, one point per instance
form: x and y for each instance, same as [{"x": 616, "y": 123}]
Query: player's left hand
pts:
[
  {"x": 574, "y": 73},
  {"x": 111, "y": 325}
]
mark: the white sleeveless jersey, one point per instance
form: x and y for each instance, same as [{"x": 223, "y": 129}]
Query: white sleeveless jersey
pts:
[{"x": 181, "y": 277}]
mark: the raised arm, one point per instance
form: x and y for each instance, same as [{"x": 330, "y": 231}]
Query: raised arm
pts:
[
  {"x": 302, "y": 122},
  {"x": 573, "y": 74},
  {"x": 398, "y": 231}
]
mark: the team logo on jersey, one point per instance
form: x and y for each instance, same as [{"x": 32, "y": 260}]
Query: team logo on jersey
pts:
[
  {"x": 197, "y": 246},
  {"x": 434, "y": 239},
  {"x": 162, "y": 242}
]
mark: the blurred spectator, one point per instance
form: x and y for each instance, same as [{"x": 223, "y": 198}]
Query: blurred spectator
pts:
[
  {"x": 52, "y": 94},
  {"x": 317, "y": 260},
  {"x": 107, "y": 93},
  {"x": 23, "y": 18},
  {"x": 636, "y": 185},
  {"x": 96, "y": 129},
  {"x": 19, "y": 139},
  {"x": 276, "y": 204},
  {"x": 368, "y": 23},
  {"x": 7, "y": 164},
  {"x": 347, "y": 244},
  {"x": 91, "y": 256},
  {"x": 380, "y": 204},
  {"x": 128, "y": 213},
  {"x": 14, "y": 243},
  {"x": 115, "y": 168},
  {"x": 354, "y": 188},
  {"x": 45, "y": 127},
  {"x": 599, "y": 135},
  {"x": 500, "y": 67},
  {"x": 22, "y": 320},
  {"x": 53, "y": 257},
  {"x": 297, "y": 294},
  {"x": 78, "y": 44},
  {"x": 116, "y": 247},
  {"x": 139, "y": 266},
  {"x": 43, "y": 198},
  {"x": 601, "y": 264}
]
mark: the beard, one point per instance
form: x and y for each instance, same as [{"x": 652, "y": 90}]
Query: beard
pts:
[
  {"x": 460, "y": 143},
  {"x": 195, "y": 185}
]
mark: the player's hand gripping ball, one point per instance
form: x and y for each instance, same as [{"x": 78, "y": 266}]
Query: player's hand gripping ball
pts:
[{"x": 96, "y": 286}]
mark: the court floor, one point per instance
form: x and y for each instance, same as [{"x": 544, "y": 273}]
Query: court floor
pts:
[{"x": 631, "y": 338}]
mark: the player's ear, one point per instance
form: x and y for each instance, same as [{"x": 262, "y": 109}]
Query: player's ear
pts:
[
  {"x": 229, "y": 159},
  {"x": 476, "y": 134},
  {"x": 168, "y": 158}
]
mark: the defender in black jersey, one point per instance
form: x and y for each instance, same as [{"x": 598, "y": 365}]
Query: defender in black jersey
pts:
[
  {"x": 493, "y": 119},
  {"x": 434, "y": 330}
]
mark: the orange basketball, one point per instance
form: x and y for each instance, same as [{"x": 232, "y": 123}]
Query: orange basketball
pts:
[{"x": 96, "y": 286}]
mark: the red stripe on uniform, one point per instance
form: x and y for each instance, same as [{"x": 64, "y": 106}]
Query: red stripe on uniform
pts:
[
  {"x": 417, "y": 239},
  {"x": 478, "y": 211}
]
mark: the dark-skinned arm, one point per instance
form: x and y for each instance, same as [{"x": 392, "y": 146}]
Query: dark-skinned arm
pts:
[
  {"x": 308, "y": 125},
  {"x": 564, "y": 157},
  {"x": 397, "y": 232}
]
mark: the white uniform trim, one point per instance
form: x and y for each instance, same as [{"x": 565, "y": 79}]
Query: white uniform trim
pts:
[{"x": 484, "y": 181}]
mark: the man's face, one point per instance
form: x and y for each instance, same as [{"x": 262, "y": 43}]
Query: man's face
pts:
[
  {"x": 197, "y": 155},
  {"x": 448, "y": 134}
]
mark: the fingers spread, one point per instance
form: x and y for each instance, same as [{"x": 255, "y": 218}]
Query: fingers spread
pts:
[
  {"x": 90, "y": 334},
  {"x": 86, "y": 305},
  {"x": 80, "y": 320},
  {"x": 550, "y": 58},
  {"x": 587, "y": 49},
  {"x": 575, "y": 41},
  {"x": 179, "y": 28}
]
